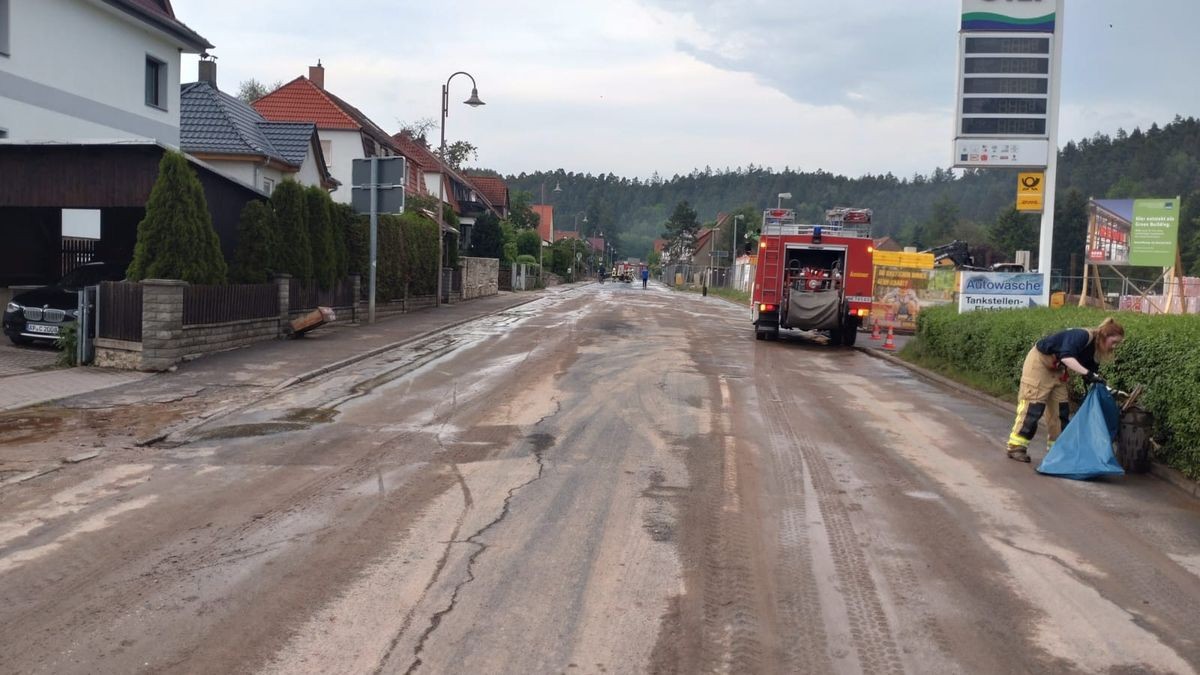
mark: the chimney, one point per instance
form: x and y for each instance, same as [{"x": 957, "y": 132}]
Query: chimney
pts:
[
  {"x": 316, "y": 74},
  {"x": 208, "y": 70}
]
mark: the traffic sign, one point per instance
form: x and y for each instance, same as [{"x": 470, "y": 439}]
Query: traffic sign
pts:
[{"x": 1031, "y": 192}]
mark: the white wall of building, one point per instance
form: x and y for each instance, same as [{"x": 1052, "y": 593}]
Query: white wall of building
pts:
[
  {"x": 83, "y": 60},
  {"x": 250, "y": 173},
  {"x": 310, "y": 174},
  {"x": 347, "y": 146}
]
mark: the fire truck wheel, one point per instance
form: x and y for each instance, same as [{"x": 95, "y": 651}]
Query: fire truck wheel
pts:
[{"x": 760, "y": 335}]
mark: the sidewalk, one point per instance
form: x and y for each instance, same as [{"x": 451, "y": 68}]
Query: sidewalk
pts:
[{"x": 274, "y": 363}]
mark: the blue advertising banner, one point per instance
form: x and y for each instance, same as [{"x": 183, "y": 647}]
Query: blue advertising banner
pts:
[{"x": 999, "y": 290}]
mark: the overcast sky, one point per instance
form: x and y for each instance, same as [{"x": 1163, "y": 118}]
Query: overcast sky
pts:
[{"x": 637, "y": 86}]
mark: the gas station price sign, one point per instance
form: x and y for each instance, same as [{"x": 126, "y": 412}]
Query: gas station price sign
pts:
[{"x": 1006, "y": 56}]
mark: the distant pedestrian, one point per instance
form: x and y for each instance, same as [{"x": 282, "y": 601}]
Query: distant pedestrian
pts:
[
  {"x": 1044, "y": 379},
  {"x": 645, "y": 276}
]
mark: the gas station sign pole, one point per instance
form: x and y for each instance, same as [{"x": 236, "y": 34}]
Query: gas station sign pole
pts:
[{"x": 1010, "y": 57}]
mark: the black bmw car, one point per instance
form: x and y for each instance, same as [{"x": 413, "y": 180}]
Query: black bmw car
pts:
[{"x": 39, "y": 314}]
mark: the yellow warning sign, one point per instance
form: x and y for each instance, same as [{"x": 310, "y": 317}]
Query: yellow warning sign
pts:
[{"x": 1031, "y": 192}]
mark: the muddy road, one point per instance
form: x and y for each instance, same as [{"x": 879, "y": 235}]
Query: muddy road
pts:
[{"x": 607, "y": 480}]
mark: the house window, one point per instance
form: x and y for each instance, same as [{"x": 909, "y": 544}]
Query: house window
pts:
[
  {"x": 156, "y": 83},
  {"x": 327, "y": 150},
  {"x": 4, "y": 21},
  {"x": 268, "y": 185}
]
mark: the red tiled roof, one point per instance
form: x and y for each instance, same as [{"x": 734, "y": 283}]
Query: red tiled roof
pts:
[
  {"x": 415, "y": 151},
  {"x": 566, "y": 235},
  {"x": 545, "y": 220},
  {"x": 302, "y": 101},
  {"x": 597, "y": 244},
  {"x": 659, "y": 245},
  {"x": 494, "y": 189},
  {"x": 161, "y": 15}
]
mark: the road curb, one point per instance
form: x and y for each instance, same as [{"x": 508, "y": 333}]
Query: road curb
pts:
[
  {"x": 941, "y": 379},
  {"x": 317, "y": 372},
  {"x": 1160, "y": 471},
  {"x": 337, "y": 365}
]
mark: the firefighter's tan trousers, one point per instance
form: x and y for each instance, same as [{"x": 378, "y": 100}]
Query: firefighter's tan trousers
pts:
[{"x": 1042, "y": 390}]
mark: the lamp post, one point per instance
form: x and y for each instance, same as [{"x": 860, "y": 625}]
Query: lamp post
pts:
[
  {"x": 782, "y": 196},
  {"x": 733, "y": 256},
  {"x": 474, "y": 102},
  {"x": 574, "y": 262}
]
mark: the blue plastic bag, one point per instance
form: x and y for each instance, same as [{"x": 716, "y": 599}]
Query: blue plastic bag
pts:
[{"x": 1084, "y": 450}]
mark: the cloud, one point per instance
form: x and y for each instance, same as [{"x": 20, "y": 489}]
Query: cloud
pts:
[{"x": 637, "y": 86}]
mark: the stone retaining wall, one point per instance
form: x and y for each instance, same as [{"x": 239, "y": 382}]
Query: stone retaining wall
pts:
[{"x": 479, "y": 277}]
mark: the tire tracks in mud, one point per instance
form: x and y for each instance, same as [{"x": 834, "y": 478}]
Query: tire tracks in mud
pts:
[{"x": 870, "y": 633}]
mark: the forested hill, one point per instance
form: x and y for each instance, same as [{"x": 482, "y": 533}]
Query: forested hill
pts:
[{"x": 1157, "y": 162}]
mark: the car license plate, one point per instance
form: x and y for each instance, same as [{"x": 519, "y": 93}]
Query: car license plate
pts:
[{"x": 42, "y": 329}]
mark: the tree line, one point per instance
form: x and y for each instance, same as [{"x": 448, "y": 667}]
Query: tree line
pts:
[{"x": 924, "y": 210}]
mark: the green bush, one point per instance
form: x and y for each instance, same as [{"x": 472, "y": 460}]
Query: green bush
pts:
[
  {"x": 253, "y": 260},
  {"x": 528, "y": 243},
  {"x": 176, "y": 239},
  {"x": 343, "y": 219},
  {"x": 421, "y": 264},
  {"x": 1160, "y": 352},
  {"x": 294, "y": 255},
  {"x": 68, "y": 344},
  {"x": 320, "y": 236}
]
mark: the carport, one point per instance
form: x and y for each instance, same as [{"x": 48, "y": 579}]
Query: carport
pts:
[{"x": 113, "y": 178}]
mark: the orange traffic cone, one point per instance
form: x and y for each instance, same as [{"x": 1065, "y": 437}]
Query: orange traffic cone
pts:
[
  {"x": 875, "y": 336},
  {"x": 890, "y": 343}
]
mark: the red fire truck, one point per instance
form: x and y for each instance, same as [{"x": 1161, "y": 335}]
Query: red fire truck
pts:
[{"x": 813, "y": 277}]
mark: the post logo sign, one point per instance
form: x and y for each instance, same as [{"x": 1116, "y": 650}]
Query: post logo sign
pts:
[
  {"x": 1031, "y": 192},
  {"x": 1024, "y": 16},
  {"x": 999, "y": 290}
]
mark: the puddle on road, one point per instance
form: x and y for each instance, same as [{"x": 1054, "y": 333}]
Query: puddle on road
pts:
[
  {"x": 250, "y": 430},
  {"x": 311, "y": 415}
]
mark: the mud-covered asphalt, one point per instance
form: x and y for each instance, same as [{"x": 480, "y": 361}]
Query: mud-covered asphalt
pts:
[{"x": 606, "y": 480}]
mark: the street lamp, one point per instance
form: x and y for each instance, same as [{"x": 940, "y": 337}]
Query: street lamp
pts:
[
  {"x": 733, "y": 256},
  {"x": 782, "y": 196},
  {"x": 574, "y": 254},
  {"x": 474, "y": 101}
]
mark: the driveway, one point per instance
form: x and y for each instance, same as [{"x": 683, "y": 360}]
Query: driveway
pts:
[{"x": 16, "y": 360}]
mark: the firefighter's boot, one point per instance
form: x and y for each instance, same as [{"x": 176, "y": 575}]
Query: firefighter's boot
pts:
[{"x": 1018, "y": 453}]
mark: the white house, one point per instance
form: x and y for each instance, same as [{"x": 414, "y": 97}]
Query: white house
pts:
[
  {"x": 233, "y": 138},
  {"x": 346, "y": 133},
  {"x": 91, "y": 69}
]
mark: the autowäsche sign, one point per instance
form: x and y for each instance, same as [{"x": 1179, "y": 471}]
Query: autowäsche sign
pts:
[{"x": 999, "y": 290}]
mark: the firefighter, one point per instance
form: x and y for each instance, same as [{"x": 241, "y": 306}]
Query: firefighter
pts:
[{"x": 1044, "y": 379}]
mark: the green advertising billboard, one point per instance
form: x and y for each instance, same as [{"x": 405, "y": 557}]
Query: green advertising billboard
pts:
[{"x": 1154, "y": 232}]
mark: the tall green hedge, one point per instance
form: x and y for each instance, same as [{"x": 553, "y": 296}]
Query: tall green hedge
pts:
[
  {"x": 1161, "y": 352},
  {"x": 320, "y": 236},
  {"x": 254, "y": 257},
  {"x": 406, "y": 262},
  {"x": 294, "y": 255}
]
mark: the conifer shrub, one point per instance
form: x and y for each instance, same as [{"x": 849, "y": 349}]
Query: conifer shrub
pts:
[
  {"x": 176, "y": 239},
  {"x": 320, "y": 236},
  {"x": 294, "y": 254},
  {"x": 1160, "y": 352},
  {"x": 343, "y": 219},
  {"x": 421, "y": 265},
  {"x": 258, "y": 241}
]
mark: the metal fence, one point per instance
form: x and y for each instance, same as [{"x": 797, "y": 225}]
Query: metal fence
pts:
[
  {"x": 119, "y": 311},
  {"x": 686, "y": 274},
  {"x": 303, "y": 296},
  {"x": 505, "y": 279},
  {"x": 220, "y": 304}
]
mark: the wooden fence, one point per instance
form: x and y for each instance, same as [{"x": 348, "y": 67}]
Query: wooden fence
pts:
[
  {"x": 119, "y": 311},
  {"x": 237, "y": 302},
  {"x": 302, "y": 297},
  {"x": 76, "y": 252}
]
